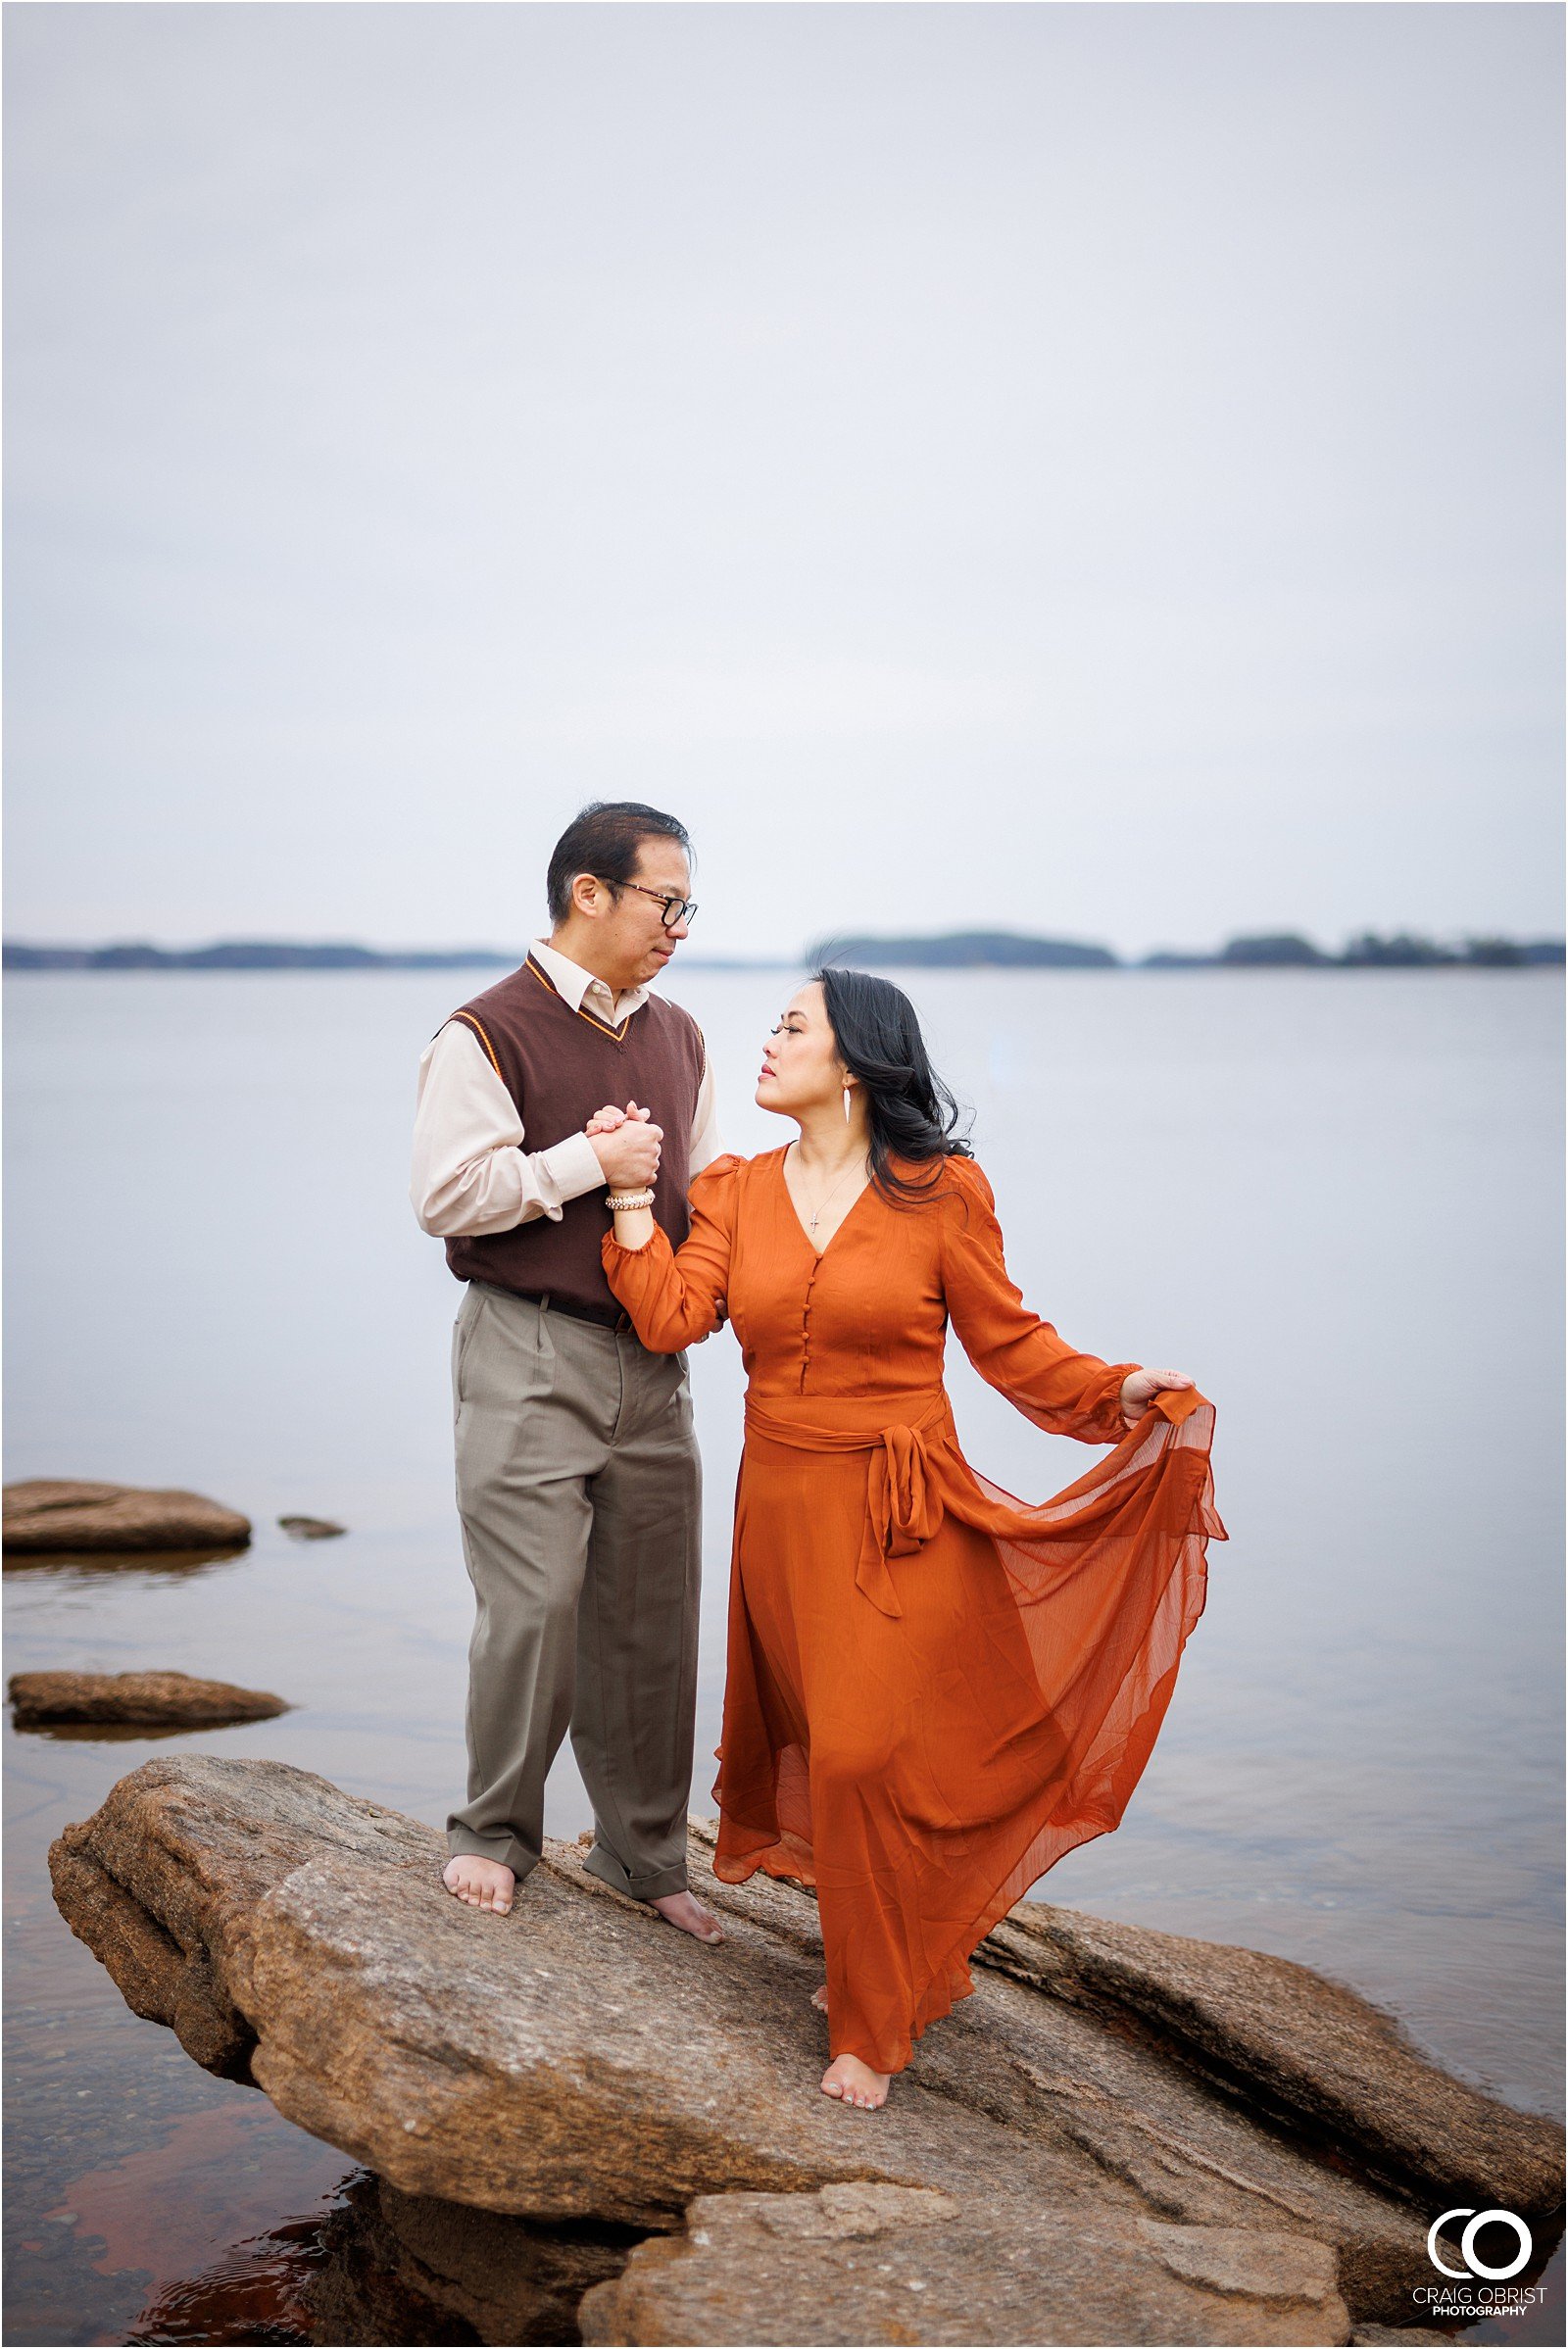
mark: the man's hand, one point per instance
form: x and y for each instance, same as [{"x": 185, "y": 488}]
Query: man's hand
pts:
[
  {"x": 1140, "y": 1386},
  {"x": 628, "y": 1150}
]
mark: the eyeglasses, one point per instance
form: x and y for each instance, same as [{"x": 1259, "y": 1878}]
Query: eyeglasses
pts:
[{"x": 676, "y": 910}]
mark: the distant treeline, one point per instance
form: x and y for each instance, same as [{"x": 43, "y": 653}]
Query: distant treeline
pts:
[
  {"x": 959, "y": 950},
  {"x": 1006, "y": 950},
  {"x": 245, "y": 954}
]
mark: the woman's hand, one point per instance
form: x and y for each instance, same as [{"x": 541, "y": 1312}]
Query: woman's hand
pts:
[
  {"x": 626, "y": 1144},
  {"x": 606, "y": 1119},
  {"x": 1140, "y": 1386}
]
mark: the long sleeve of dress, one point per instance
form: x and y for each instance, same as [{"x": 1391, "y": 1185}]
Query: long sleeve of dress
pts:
[
  {"x": 675, "y": 1296},
  {"x": 1065, "y": 1392}
]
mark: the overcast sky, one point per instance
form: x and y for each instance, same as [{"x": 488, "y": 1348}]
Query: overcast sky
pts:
[{"x": 1090, "y": 469}]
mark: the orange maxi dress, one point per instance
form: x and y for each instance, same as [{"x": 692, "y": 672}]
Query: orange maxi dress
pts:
[{"x": 934, "y": 1691}]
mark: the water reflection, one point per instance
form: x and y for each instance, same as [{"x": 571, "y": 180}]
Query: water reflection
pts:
[
  {"x": 259, "y": 2292},
  {"x": 103, "y": 1565},
  {"x": 111, "y": 1732},
  {"x": 372, "y": 2265}
]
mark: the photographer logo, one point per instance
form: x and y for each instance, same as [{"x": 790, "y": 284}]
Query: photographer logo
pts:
[
  {"x": 1474, "y": 2265},
  {"x": 1477, "y": 2288}
]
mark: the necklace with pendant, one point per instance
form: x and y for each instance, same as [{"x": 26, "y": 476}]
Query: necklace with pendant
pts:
[{"x": 859, "y": 1168}]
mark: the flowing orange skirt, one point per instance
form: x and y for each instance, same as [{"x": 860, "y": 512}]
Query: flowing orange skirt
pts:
[{"x": 935, "y": 1691}]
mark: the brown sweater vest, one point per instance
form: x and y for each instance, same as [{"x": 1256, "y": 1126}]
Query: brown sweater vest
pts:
[{"x": 560, "y": 1066}]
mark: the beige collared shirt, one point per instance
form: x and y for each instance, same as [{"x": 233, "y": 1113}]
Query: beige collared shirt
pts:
[{"x": 470, "y": 1170}]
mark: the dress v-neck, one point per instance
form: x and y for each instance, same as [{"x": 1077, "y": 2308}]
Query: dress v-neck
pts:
[{"x": 789, "y": 1197}]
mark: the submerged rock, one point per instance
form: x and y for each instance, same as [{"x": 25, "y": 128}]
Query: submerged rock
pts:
[
  {"x": 60, "y": 1514},
  {"x": 311, "y": 1529},
  {"x": 166, "y": 1700},
  {"x": 1117, "y": 2109}
]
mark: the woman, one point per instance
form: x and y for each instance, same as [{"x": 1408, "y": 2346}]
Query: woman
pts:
[{"x": 934, "y": 1691}]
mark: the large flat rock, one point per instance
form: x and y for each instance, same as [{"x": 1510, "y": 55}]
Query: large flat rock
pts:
[
  {"x": 66, "y": 1514},
  {"x": 581, "y": 2064},
  {"x": 165, "y": 1699}
]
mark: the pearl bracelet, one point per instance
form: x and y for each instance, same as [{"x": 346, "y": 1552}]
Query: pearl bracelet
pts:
[{"x": 621, "y": 1202}]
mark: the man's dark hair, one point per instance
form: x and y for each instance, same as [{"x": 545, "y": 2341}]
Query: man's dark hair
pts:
[{"x": 604, "y": 840}]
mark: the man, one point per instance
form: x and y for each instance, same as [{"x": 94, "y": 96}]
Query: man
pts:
[{"x": 579, "y": 1479}]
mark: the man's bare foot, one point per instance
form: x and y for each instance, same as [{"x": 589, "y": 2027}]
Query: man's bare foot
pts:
[
  {"x": 855, "y": 2083},
  {"x": 819, "y": 1998},
  {"x": 482, "y": 1883},
  {"x": 685, "y": 1910}
]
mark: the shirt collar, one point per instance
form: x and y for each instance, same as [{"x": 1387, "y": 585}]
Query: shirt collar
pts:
[{"x": 575, "y": 986}]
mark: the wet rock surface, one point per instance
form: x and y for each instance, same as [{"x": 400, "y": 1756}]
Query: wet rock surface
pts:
[
  {"x": 167, "y": 1699},
  {"x": 46, "y": 1514},
  {"x": 1182, "y": 2135}
]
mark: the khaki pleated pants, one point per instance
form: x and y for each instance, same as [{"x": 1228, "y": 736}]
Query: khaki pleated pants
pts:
[{"x": 579, "y": 1490}]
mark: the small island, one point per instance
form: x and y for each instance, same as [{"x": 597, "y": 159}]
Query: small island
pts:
[{"x": 1008, "y": 950}]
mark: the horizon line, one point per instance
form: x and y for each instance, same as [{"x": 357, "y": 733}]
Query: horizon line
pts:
[{"x": 945, "y": 949}]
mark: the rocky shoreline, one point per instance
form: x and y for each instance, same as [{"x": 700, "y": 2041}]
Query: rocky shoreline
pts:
[{"x": 585, "y": 2125}]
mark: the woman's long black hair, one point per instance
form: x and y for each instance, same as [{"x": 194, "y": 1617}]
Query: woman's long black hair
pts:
[{"x": 913, "y": 1112}]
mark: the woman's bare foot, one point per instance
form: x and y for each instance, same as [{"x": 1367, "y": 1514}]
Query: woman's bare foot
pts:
[
  {"x": 482, "y": 1883},
  {"x": 685, "y": 1910},
  {"x": 855, "y": 2083},
  {"x": 819, "y": 1998}
]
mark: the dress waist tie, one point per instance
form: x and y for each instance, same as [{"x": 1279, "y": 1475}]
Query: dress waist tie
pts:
[
  {"x": 905, "y": 1500},
  {"x": 916, "y": 1476}
]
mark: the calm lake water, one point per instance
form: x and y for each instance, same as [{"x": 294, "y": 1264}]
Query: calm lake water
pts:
[{"x": 1333, "y": 1198}]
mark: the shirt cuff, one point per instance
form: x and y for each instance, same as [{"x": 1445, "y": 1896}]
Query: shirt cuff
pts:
[{"x": 572, "y": 1166}]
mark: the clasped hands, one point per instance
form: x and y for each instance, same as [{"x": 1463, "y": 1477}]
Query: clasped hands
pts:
[{"x": 626, "y": 1144}]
